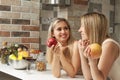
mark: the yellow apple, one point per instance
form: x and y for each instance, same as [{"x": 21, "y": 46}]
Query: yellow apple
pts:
[{"x": 96, "y": 50}]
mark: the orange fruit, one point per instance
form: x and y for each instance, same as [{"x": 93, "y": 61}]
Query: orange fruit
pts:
[
  {"x": 34, "y": 51},
  {"x": 96, "y": 50}
]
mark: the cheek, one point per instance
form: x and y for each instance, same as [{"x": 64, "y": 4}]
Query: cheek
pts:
[
  {"x": 85, "y": 36},
  {"x": 55, "y": 34},
  {"x": 69, "y": 35},
  {"x": 68, "y": 32}
]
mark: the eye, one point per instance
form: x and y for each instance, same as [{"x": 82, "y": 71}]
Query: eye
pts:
[
  {"x": 66, "y": 28},
  {"x": 59, "y": 29}
]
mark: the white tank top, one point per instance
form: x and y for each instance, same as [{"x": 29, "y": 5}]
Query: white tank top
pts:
[{"x": 114, "y": 73}]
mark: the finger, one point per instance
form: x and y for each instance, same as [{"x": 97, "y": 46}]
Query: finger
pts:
[
  {"x": 87, "y": 52},
  {"x": 80, "y": 42},
  {"x": 52, "y": 47},
  {"x": 59, "y": 43},
  {"x": 86, "y": 42},
  {"x": 56, "y": 48}
]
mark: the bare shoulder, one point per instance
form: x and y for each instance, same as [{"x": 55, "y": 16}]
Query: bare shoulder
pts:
[
  {"x": 111, "y": 44},
  {"x": 75, "y": 42},
  {"x": 110, "y": 41},
  {"x": 110, "y": 52},
  {"x": 75, "y": 48},
  {"x": 111, "y": 47}
]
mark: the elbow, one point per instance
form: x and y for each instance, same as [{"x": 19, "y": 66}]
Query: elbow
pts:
[
  {"x": 72, "y": 75},
  {"x": 57, "y": 75}
]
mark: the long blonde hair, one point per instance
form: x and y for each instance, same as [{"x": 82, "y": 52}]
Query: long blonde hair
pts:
[
  {"x": 50, "y": 32},
  {"x": 96, "y": 26}
]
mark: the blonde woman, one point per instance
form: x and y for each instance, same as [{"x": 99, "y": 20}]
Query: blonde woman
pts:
[
  {"x": 94, "y": 29},
  {"x": 64, "y": 55}
]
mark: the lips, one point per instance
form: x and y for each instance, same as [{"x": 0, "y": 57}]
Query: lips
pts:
[{"x": 64, "y": 36}]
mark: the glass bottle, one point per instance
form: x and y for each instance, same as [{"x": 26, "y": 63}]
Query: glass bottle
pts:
[{"x": 41, "y": 62}]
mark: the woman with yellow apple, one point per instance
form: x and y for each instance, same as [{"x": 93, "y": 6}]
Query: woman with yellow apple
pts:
[
  {"x": 95, "y": 40},
  {"x": 62, "y": 51}
]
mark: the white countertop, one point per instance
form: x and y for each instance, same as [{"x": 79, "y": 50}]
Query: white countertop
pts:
[{"x": 35, "y": 75}]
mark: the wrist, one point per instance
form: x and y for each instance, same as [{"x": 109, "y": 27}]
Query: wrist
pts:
[{"x": 92, "y": 61}]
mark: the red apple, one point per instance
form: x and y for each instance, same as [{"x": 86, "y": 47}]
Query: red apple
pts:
[{"x": 51, "y": 41}]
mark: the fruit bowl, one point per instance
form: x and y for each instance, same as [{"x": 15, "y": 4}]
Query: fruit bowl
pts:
[{"x": 18, "y": 64}]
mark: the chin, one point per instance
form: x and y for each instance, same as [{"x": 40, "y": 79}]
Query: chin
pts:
[
  {"x": 84, "y": 38},
  {"x": 63, "y": 41}
]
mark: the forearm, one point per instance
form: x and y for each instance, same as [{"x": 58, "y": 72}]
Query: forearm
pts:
[
  {"x": 49, "y": 57},
  {"x": 67, "y": 66},
  {"x": 56, "y": 66},
  {"x": 85, "y": 67},
  {"x": 95, "y": 72}
]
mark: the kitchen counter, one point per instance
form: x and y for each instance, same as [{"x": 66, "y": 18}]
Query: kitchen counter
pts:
[{"x": 34, "y": 74}]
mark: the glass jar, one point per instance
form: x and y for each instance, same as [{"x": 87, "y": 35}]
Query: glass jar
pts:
[{"x": 41, "y": 62}]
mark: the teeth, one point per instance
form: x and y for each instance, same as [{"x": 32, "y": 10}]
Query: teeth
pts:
[{"x": 63, "y": 36}]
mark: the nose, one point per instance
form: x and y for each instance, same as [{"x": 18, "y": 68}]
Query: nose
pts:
[
  {"x": 63, "y": 31},
  {"x": 79, "y": 30}
]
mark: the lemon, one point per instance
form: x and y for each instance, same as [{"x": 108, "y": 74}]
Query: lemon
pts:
[
  {"x": 19, "y": 57},
  {"x": 13, "y": 57},
  {"x": 23, "y": 53}
]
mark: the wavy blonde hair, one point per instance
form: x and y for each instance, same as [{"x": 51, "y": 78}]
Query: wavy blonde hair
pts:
[{"x": 96, "y": 26}]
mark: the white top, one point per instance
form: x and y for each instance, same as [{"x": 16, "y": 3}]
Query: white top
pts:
[
  {"x": 114, "y": 72},
  {"x": 34, "y": 74}
]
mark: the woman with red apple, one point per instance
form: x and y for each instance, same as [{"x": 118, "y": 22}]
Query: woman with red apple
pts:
[
  {"x": 62, "y": 51},
  {"x": 94, "y": 29}
]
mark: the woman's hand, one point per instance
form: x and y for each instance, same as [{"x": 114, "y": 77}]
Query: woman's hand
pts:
[
  {"x": 82, "y": 45},
  {"x": 62, "y": 49},
  {"x": 55, "y": 49},
  {"x": 87, "y": 54}
]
